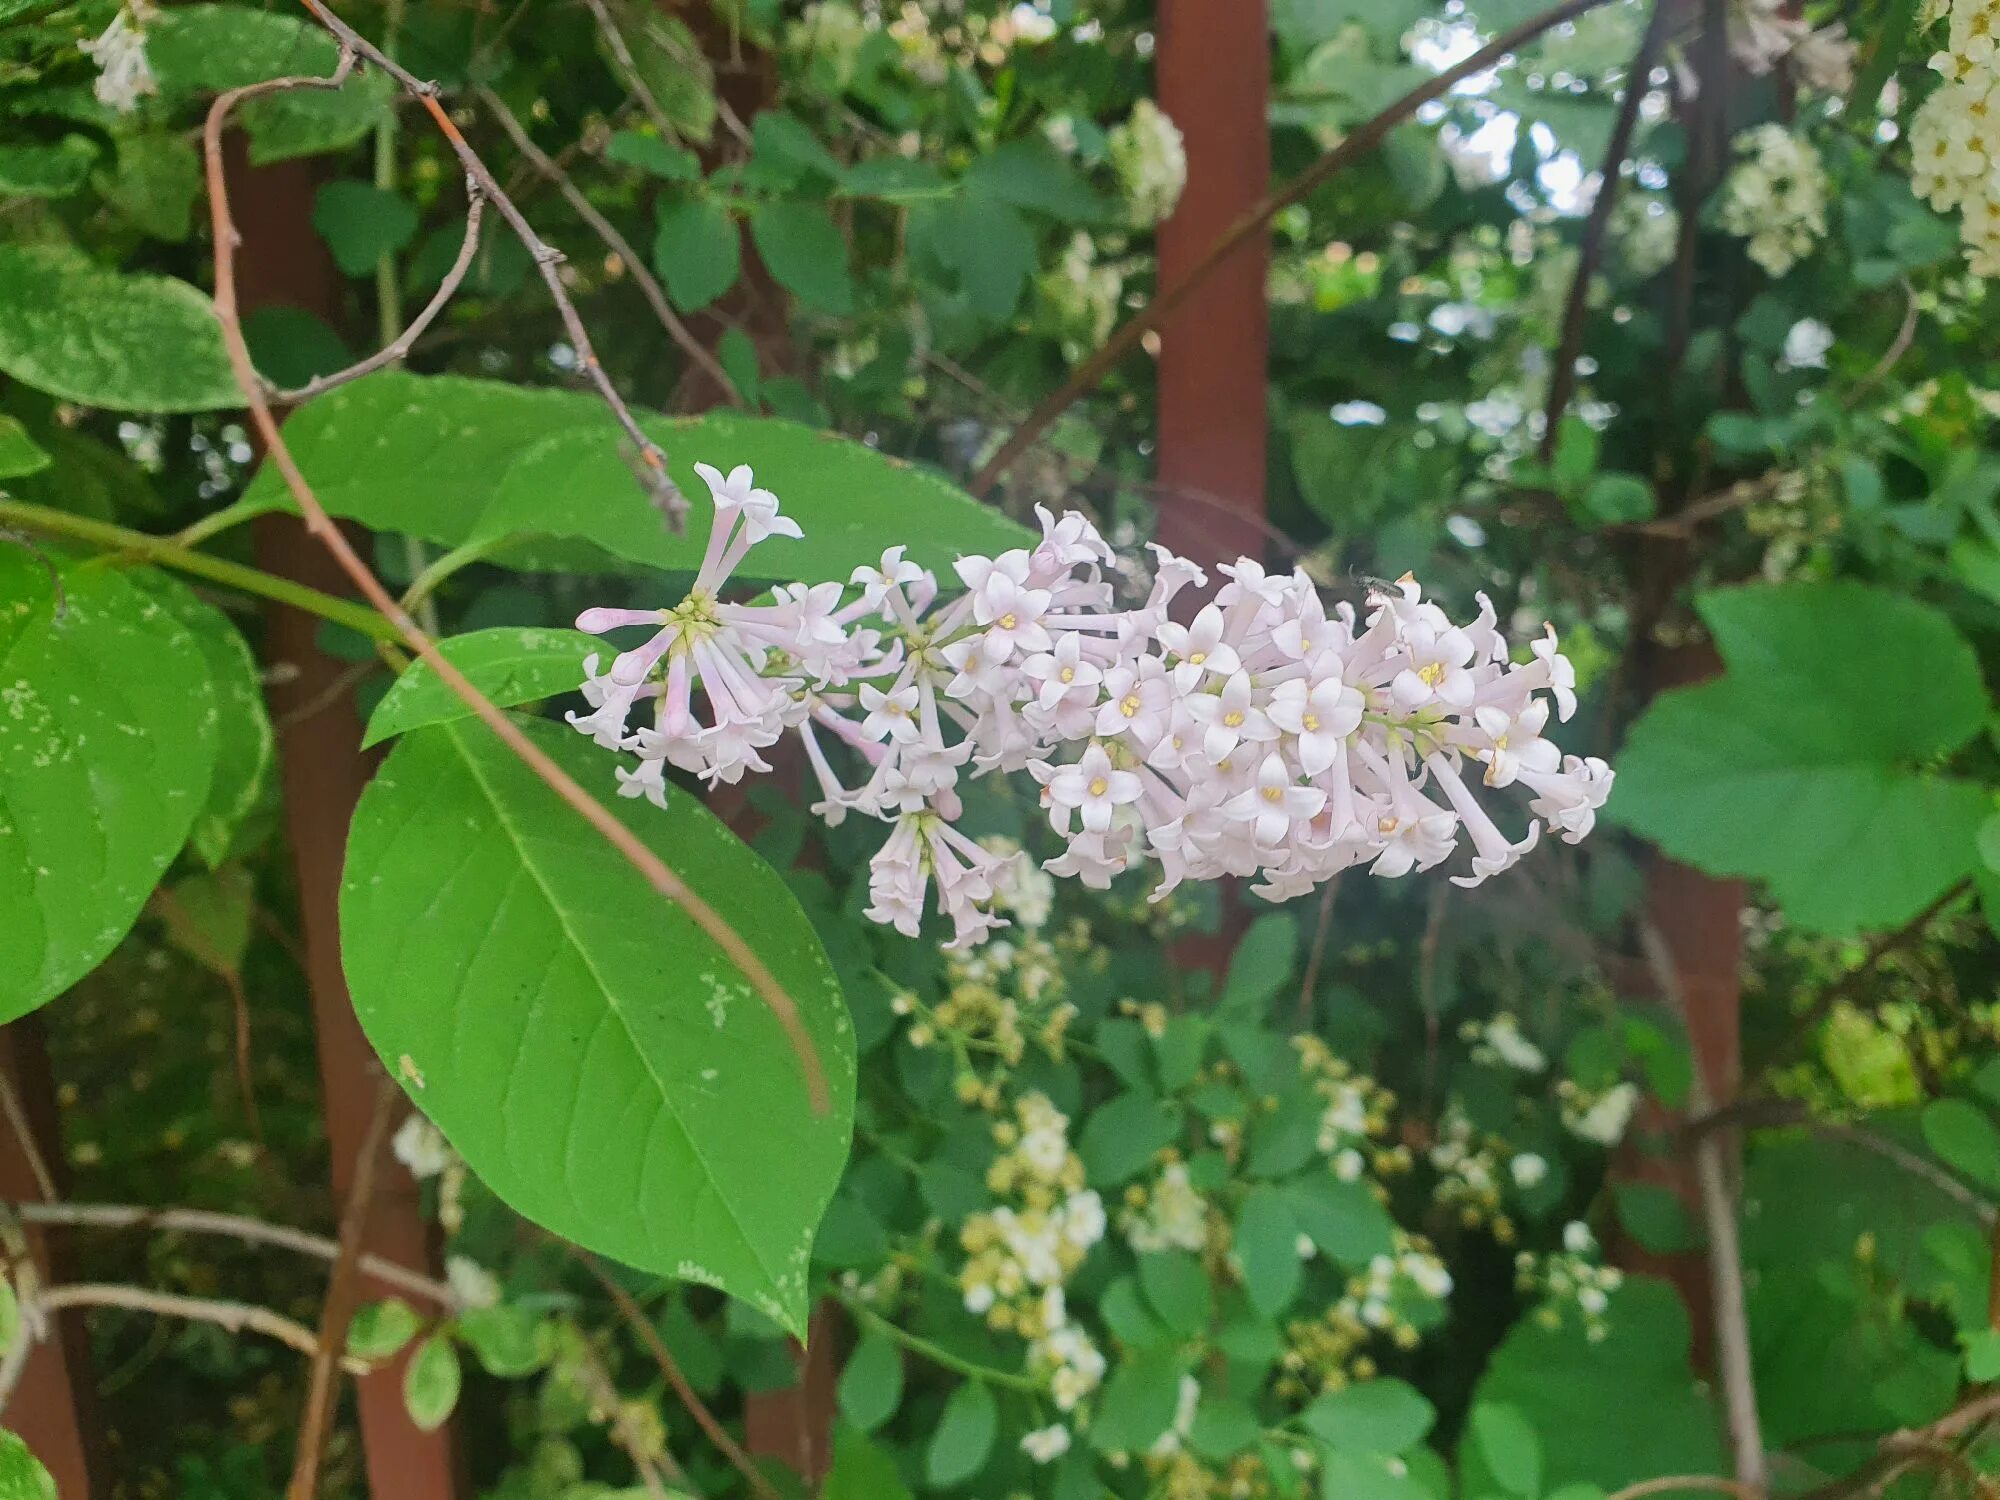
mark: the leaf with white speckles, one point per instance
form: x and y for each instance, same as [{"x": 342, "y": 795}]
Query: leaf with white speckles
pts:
[
  {"x": 582, "y": 1044},
  {"x": 129, "y": 343},
  {"x": 107, "y": 749},
  {"x": 510, "y": 664}
]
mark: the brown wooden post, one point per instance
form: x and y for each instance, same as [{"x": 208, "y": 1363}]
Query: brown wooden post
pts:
[
  {"x": 322, "y": 768},
  {"x": 1214, "y": 64},
  {"x": 51, "y": 1410}
]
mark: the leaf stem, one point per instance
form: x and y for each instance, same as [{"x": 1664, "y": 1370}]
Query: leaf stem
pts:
[
  {"x": 936, "y": 1354},
  {"x": 157, "y": 549}
]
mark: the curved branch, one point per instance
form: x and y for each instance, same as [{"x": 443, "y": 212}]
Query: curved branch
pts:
[
  {"x": 233, "y": 1317},
  {"x": 1352, "y": 148},
  {"x": 649, "y": 865}
]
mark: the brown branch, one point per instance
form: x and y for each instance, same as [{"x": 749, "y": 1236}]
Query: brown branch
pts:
[
  {"x": 1848, "y": 984},
  {"x": 234, "y": 1317},
  {"x": 621, "y": 838},
  {"x": 398, "y": 349},
  {"x": 1713, "y": 1483},
  {"x": 227, "y": 1226},
  {"x": 628, "y": 66},
  {"x": 1894, "y": 1452},
  {"x": 342, "y": 1296},
  {"x": 1352, "y": 148},
  {"x": 648, "y": 283},
  {"x": 1590, "y": 251},
  {"x": 1316, "y": 955},
  {"x": 548, "y": 260},
  {"x": 1683, "y": 523},
  {"x": 636, "y": 1319},
  {"x": 1725, "y": 1256},
  {"x": 18, "y": 1122}
]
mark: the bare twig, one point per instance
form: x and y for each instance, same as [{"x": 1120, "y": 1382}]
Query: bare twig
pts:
[
  {"x": 1683, "y": 523},
  {"x": 1316, "y": 955},
  {"x": 628, "y": 67},
  {"x": 1894, "y": 1453},
  {"x": 1590, "y": 251},
  {"x": 603, "y": 1392},
  {"x": 628, "y": 844},
  {"x": 1361, "y": 143},
  {"x": 1906, "y": 335},
  {"x": 398, "y": 349},
  {"x": 229, "y": 1226},
  {"x": 636, "y": 1319},
  {"x": 548, "y": 260},
  {"x": 342, "y": 1295},
  {"x": 648, "y": 284},
  {"x": 1713, "y": 1483},
  {"x": 234, "y": 1317},
  {"x": 1725, "y": 1258},
  {"x": 17, "y": 1121}
]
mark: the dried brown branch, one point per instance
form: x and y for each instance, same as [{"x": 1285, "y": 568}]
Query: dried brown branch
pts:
[
  {"x": 648, "y": 284},
  {"x": 237, "y": 1227},
  {"x": 342, "y": 1296},
  {"x": 1713, "y": 1483},
  {"x": 1354, "y": 147},
  {"x": 398, "y": 349},
  {"x": 636, "y": 1319},
  {"x": 1590, "y": 250},
  {"x": 628, "y": 844},
  {"x": 233, "y": 1317},
  {"x": 1895, "y": 1452},
  {"x": 548, "y": 260},
  {"x": 1725, "y": 1258}
]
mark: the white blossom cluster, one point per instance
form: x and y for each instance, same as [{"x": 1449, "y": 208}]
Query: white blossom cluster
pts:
[
  {"x": 123, "y": 72},
  {"x": 1264, "y": 738},
  {"x": 1955, "y": 137},
  {"x": 1776, "y": 197},
  {"x": 1170, "y": 1215},
  {"x": 1575, "y": 1274},
  {"x": 1150, "y": 159},
  {"x": 1501, "y": 1042},
  {"x": 1646, "y": 230},
  {"x": 1601, "y": 1117},
  {"x": 1762, "y": 35}
]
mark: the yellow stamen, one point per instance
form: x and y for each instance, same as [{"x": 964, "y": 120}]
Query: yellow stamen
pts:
[{"x": 1099, "y": 786}]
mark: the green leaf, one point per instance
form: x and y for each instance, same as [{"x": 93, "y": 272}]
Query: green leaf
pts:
[
  {"x": 197, "y": 50},
  {"x": 506, "y": 1339},
  {"x": 208, "y": 917},
  {"x": 431, "y": 1383},
  {"x": 1655, "y": 1217},
  {"x": 1575, "y": 460},
  {"x": 1224, "y": 1428},
  {"x": 989, "y": 248},
  {"x": 697, "y": 249},
  {"x": 651, "y": 154},
  {"x": 245, "y": 743},
  {"x": 1787, "y": 769},
  {"x": 1366, "y": 1476},
  {"x": 1965, "y": 1137},
  {"x": 670, "y": 61},
  {"x": 10, "y": 1315},
  {"x": 130, "y": 343},
  {"x": 1343, "y": 1218},
  {"x": 20, "y": 455},
  {"x": 804, "y": 249},
  {"x": 1263, "y": 962},
  {"x": 1619, "y": 499},
  {"x": 1176, "y": 1284},
  {"x": 862, "y": 1471},
  {"x": 449, "y": 460},
  {"x": 892, "y": 178},
  {"x": 1512, "y": 1451},
  {"x": 1137, "y": 1404},
  {"x": 21, "y": 1475},
  {"x": 1371, "y": 1416},
  {"x": 46, "y": 170},
  {"x": 510, "y": 664},
  {"x": 107, "y": 747},
  {"x": 361, "y": 223},
  {"x": 1267, "y": 1249},
  {"x": 964, "y": 1437},
  {"x": 786, "y": 140},
  {"x": 871, "y": 1386},
  {"x": 576, "y": 1037},
  {"x": 1031, "y": 174},
  {"x": 157, "y": 180},
  {"x": 381, "y": 1329},
  {"x": 1122, "y": 1136}
]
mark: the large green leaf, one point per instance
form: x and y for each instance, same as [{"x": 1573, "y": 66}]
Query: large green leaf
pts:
[
  {"x": 131, "y": 343},
  {"x": 592, "y": 1055},
  {"x": 22, "y": 1476},
  {"x": 203, "y": 49},
  {"x": 46, "y": 169},
  {"x": 450, "y": 459},
  {"x": 1794, "y": 769},
  {"x": 107, "y": 746},
  {"x": 510, "y": 664}
]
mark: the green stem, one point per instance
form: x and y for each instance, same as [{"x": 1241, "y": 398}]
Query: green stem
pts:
[
  {"x": 102, "y": 534},
  {"x": 875, "y": 1322},
  {"x": 217, "y": 522},
  {"x": 441, "y": 567}
]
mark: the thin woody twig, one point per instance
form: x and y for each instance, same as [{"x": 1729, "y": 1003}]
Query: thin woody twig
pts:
[
  {"x": 648, "y": 284},
  {"x": 1725, "y": 1257},
  {"x": 548, "y": 260},
  {"x": 229, "y": 1226},
  {"x": 342, "y": 1296},
  {"x": 234, "y": 1317},
  {"x": 398, "y": 349},
  {"x": 628, "y": 844},
  {"x": 1713, "y": 1483},
  {"x": 1352, "y": 148},
  {"x": 1590, "y": 251},
  {"x": 17, "y": 1121},
  {"x": 628, "y": 67}
]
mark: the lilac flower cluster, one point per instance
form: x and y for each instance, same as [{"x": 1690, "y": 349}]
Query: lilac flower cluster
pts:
[{"x": 1265, "y": 737}]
